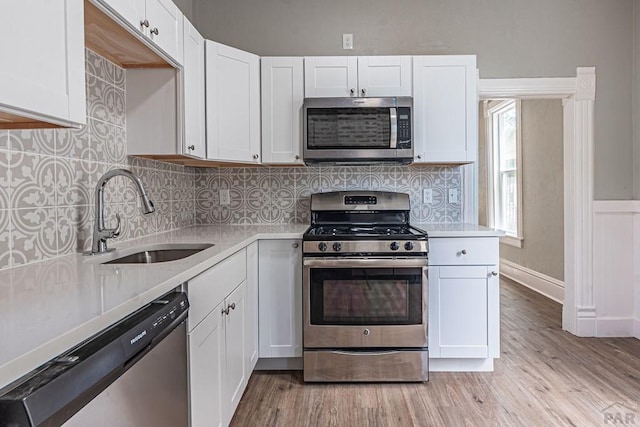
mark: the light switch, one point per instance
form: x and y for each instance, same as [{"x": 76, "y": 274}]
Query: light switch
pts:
[
  {"x": 453, "y": 195},
  {"x": 225, "y": 197},
  {"x": 427, "y": 196},
  {"x": 347, "y": 41}
]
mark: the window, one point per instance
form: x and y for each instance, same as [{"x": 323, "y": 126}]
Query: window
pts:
[{"x": 505, "y": 169}]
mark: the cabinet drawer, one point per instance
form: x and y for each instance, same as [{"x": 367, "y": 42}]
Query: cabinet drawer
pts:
[
  {"x": 211, "y": 287},
  {"x": 463, "y": 251}
]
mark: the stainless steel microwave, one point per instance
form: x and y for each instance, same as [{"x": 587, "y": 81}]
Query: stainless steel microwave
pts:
[{"x": 358, "y": 130}]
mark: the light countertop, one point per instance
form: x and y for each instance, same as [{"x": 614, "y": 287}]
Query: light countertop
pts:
[{"x": 48, "y": 307}]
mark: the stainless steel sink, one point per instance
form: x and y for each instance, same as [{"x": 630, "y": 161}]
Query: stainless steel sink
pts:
[{"x": 158, "y": 253}]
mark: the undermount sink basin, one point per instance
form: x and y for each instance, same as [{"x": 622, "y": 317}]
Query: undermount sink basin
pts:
[{"x": 160, "y": 253}]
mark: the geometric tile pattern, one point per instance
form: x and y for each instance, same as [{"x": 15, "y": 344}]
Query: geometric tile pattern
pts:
[{"x": 48, "y": 176}]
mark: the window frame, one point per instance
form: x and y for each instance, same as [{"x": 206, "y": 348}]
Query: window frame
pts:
[{"x": 490, "y": 113}]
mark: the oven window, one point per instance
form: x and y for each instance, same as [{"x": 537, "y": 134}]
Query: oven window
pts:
[
  {"x": 340, "y": 128},
  {"x": 366, "y": 296}
]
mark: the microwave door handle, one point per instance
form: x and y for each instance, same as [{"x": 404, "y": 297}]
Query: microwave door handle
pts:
[{"x": 393, "y": 118}]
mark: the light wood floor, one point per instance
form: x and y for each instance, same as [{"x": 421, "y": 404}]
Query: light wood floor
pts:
[{"x": 545, "y": 377}]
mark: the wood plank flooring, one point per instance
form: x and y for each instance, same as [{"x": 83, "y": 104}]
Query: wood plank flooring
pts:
[{"x": 545, "y": 377}]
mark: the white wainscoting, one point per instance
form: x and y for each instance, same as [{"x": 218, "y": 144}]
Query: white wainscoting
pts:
[
  {"x": 541, "y": 283},
  {"x": 616, "y": 269}
]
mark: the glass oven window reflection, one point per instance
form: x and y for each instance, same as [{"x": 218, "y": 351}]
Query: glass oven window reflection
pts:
[
  {"x": 366, "y": 296},
  {"x": 331, "y": 128}
]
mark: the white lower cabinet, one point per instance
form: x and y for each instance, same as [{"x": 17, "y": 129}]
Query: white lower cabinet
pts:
[
  {"x": 219, "y": 331},
  {"x": 252, "y": 308},
  {"x": 280, "y": 298},
  {"x": 464, "y": 298}
]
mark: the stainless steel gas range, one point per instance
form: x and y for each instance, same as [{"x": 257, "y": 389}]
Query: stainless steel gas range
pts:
[{"x": 364, "y": 289}]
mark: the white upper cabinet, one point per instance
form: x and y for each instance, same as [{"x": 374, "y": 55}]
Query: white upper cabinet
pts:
[
  {"x": 158, "y": 20},
  {"x": 384, "y": 75},
  {"x": 282, "y": 98},
  {"x": 445, "y": 101},
  {"x": 43, "y": 51},
  {"x": 350, "y": 76},
  {"x": 194, "y": 141},
  {"x": 233, "y": 104}
]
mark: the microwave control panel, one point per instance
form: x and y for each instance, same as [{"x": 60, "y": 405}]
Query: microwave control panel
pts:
[{"x": 404, "y": 127}]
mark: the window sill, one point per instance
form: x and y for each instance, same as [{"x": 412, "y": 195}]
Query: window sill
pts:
[{"x": 516, "y": 242}]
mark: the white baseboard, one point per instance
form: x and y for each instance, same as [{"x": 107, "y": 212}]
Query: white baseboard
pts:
[
  {"x": 461, "y": 365},
  {"x": 636, "y": 328},
  {"x": 541, "y": 283},
  {"x": 614, "y": 327}
]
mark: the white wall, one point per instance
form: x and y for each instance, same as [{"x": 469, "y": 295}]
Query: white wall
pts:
[{"x": 516, "y": 38}]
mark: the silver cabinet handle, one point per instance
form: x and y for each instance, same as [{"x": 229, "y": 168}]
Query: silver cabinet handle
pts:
[
  {"x": 364, "y": 92},
  {"x": 463, "y": 252},
  {"x": 352, "y": 91},
  {"x": 144, "y": 23},
  {"x": 225, "y": 311},
  {"x": 296, "y": 245},
  {"x": 494, "y": 273},
  {"x": 297, "y": 157},
  {"x": 255, "y": 157},
  {"x": 155, "y": 31},
  {"x": 232, "y": 305},
  {"x": 419, "y": 156},
  {"x": 191, "y": 147}
]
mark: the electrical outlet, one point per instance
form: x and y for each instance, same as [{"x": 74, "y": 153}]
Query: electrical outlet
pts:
[
  {"x": 453, "y": 195},
  {"x": 427, "y": 196},
  {"x": 225, "y": 197},
  {"x": 347, "y": 41}
]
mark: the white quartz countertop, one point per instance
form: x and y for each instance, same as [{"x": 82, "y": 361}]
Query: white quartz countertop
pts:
[
  {"x": 458, "y": 230},
  {"x": 48, "y": 307}
]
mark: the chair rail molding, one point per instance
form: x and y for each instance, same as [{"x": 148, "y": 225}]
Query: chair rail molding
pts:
[{"x": 578, "y": 97}]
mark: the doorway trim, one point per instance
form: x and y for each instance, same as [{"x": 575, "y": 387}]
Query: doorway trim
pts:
[{"x": 578, "y": 97}]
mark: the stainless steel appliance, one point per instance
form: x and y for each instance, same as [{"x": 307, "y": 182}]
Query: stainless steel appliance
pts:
[
  {"x": 364, "y": 289},
  {"x": 134, "y": 373},
  {"x": 358, "y": 130}
]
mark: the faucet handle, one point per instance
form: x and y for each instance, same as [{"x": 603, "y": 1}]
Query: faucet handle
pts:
[{"x": 115, "y": 232}]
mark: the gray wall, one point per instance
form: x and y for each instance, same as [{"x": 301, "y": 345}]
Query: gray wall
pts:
[
  {"x": 542, "y": 182},
  {"x": 518, "y": 38},
  {"x": 636, "y": 100},
  {"x": 186, "y": 6}
]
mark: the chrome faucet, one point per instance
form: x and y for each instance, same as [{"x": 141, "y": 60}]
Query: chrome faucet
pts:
[{"x": 100, "y": 233}]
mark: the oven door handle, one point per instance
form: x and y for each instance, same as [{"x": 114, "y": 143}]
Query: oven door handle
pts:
[
  {"x": 365, "y": 353},
  {"x": 365, "y": 262}
]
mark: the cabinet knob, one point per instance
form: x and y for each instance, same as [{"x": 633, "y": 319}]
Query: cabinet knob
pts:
[
  {"x": 494, "y": 273},
  {"x": 255, "y": 157},
  {"x": 296, "y": 245},
  {"x": 297, "y": 157},
  {"x": 419, "y": 156},
  {"x": 155, "y": 31},
  {"x": 352, "y": 91},
  {"x": 191, "y": 147},
  {"x": 364, "y": 92},
  {"x": 225, "y": 311},
  {"x": 232, "y": 305},
  {"x": 463, "y": 252},
  {"x": 144, "y": 23}
]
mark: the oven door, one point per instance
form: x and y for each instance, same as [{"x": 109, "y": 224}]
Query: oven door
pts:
[{"x": 365, "y": 302}]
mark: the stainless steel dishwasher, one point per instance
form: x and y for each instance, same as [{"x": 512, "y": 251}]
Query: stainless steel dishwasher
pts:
[{"x": 133, "y": 373}]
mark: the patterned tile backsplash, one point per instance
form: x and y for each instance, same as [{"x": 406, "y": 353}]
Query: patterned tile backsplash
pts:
[
  {"x": 47, "y": 180},
  {"x": 282, "y": 194}
]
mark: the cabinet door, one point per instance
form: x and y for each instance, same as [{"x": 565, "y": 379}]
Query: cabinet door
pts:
[
  {"x": 233, "y": 104},
  {"x": 445, "y": 108},
  {"x": 165, "y": 27},
  {"x": 43, "y": 76},
  {"x": 282, "y": 98},
  {"x": 131, "y": 11},
  {"x": 327, "y": 76},
  {"x": 234, "y": 374},
  {"x": 458, "y": 311},
  {"x": 280, "y": 298},
  {"x": 252, "y": 308},
  {"x": 384, "y": 75},
  {"x": 206, "y": 351},
  {"x": 194, "y": 143}
]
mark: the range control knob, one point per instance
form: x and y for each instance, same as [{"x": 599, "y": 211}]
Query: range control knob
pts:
[
  {"x": 408, "y": 246},
  {"x": 337, "y": 246},
  {"x": 394, "y": 246},
  {"x": 322, "y": 246}
]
